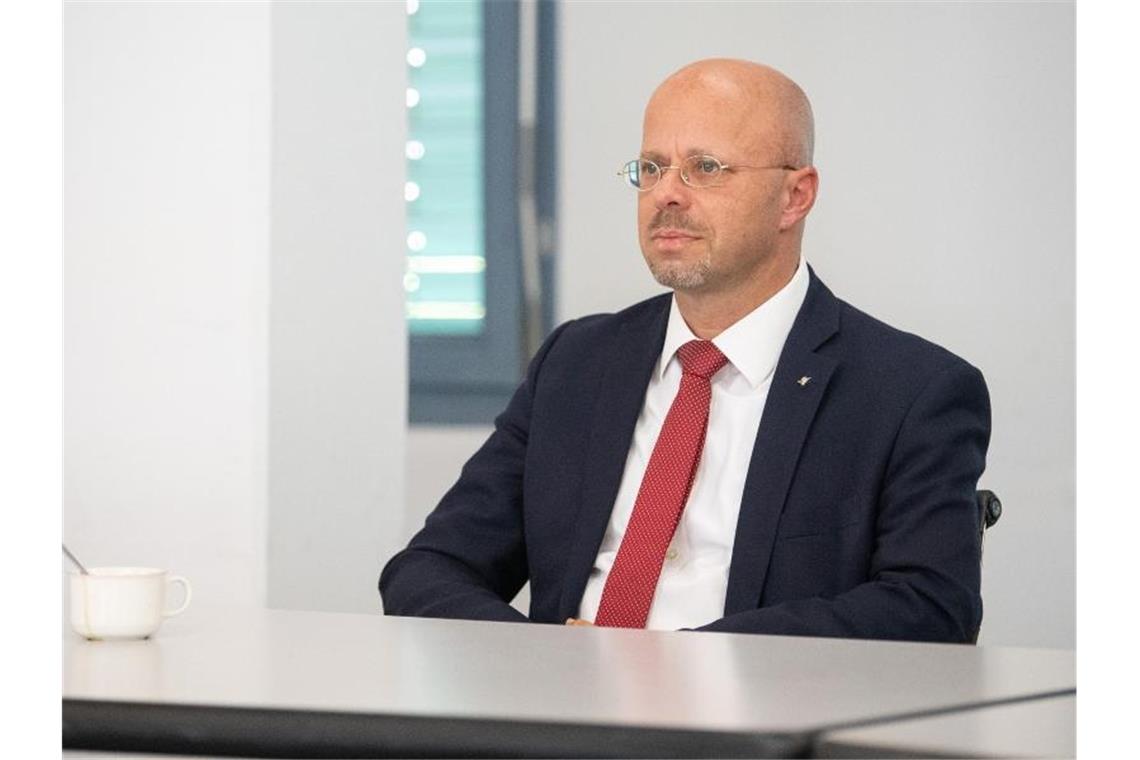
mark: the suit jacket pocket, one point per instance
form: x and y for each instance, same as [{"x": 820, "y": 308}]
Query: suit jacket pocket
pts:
[{"x": 804, "y": 520}]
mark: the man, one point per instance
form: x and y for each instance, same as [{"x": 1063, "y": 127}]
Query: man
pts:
[{"x": 750, "y": 454}]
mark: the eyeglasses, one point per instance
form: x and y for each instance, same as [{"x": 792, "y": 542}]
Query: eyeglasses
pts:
[{"x": 643, "y": 174}]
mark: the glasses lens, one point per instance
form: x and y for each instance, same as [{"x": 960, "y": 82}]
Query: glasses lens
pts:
[
  {"x": 648, "y": 174},
  {"x": 703, "y": 171},
  {"x": 641, "y": 173},
  {"x": 632, "y": 173}
]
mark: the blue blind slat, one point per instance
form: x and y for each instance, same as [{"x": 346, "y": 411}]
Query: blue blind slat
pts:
[{"x": 448, "y": 121}]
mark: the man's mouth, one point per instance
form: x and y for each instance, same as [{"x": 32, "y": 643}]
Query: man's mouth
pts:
[{"x": 670, "y": 234}]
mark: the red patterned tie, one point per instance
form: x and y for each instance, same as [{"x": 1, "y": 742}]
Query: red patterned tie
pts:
[{"x": 664, "y": 490}]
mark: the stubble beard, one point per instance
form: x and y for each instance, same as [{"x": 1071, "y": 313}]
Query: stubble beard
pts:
[{"x": 679, "y": 275}]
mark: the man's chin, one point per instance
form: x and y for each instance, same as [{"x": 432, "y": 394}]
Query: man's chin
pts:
[{"x": 680, "y": 276}]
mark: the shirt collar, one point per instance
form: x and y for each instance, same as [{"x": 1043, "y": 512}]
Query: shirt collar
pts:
[{"x": 754, "y": 342}]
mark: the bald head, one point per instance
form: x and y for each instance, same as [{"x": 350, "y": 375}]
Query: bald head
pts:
[
  {"x": 725, "y": 234},
  {"x": 774, "y": 110}
]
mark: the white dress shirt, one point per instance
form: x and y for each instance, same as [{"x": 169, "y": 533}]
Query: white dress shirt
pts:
[{"x": 694, "y": 578}]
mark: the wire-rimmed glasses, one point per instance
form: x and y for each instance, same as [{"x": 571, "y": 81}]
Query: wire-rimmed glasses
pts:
[{"x": 643, "y": 174}]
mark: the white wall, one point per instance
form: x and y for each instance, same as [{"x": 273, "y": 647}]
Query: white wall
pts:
[
  {"x": 338, "y": 347},
  {"x": 166, "y": 289},
  {"x": 945, "y": 145},
  {"x": 235, "y": 370}
]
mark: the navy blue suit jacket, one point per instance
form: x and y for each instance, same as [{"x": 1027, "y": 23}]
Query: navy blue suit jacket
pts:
[{"x": 858, "y": 517}]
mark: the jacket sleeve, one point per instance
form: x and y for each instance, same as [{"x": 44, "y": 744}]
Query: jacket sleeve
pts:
[
  {"x": 469, "y": 560},
  {"x": 924, "y": 574}
]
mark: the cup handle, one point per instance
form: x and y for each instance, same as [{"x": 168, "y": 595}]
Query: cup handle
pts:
[{"x": 185, "y": 602}]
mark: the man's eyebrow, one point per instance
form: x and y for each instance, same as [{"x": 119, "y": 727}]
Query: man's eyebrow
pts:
[{"x": 660, "y": 157}]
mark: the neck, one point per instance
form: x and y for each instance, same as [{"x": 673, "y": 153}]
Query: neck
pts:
[{"x": 709, "y": 313}]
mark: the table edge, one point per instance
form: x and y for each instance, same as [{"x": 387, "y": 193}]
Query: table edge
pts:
[{"x": 242, "y": 731}]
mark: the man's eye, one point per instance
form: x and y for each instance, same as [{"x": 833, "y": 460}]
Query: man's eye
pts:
[
  {"x": 708, "y": 166},
  {"x": 648, "y": 167}
]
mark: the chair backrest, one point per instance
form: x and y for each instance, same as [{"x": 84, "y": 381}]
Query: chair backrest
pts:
[{"x": 989, "y": 512}]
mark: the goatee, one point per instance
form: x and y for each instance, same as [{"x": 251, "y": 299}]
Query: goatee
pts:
[{"x": 680, "y": 276}]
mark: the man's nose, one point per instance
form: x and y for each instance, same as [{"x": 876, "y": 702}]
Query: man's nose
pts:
[{"x": 672, "y": 191}]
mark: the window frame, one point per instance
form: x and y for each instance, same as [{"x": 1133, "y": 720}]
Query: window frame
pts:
[{"x": 470, "y": 379}]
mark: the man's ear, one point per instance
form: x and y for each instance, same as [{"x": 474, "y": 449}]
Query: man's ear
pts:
[{"x": 801, "y": 189}]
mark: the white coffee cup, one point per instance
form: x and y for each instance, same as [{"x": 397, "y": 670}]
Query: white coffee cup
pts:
[{"x": 123, "y": 602}]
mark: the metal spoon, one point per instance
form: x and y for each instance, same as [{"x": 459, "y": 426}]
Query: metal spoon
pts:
[{"x": 76, "y": 562}]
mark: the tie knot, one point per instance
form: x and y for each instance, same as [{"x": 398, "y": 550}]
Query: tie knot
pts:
[{"x": 701, "y": 357}]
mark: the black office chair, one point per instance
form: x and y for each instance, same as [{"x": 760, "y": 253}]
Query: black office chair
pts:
[
  {"x": 989, "y": 512},
  {"x": 989, "y": 509}
]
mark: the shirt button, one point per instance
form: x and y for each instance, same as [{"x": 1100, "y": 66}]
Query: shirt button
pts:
[{"x": 672, "y": 553}]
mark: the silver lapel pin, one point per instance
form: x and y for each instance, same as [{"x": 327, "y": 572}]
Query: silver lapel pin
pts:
[{"x": 804, "y": 381}]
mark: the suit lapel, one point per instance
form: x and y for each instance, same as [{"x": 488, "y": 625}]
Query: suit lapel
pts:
[
  {"x": 788, "y": 413},
  {"x": 627, "y": 366}
]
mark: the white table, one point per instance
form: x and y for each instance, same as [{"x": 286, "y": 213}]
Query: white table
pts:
[
  {"x": 221, "y": 679},
  {"x": 1036, "y": 728}
]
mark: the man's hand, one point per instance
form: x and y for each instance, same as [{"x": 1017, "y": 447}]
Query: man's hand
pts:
[{"x": 576, "y": 621}]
